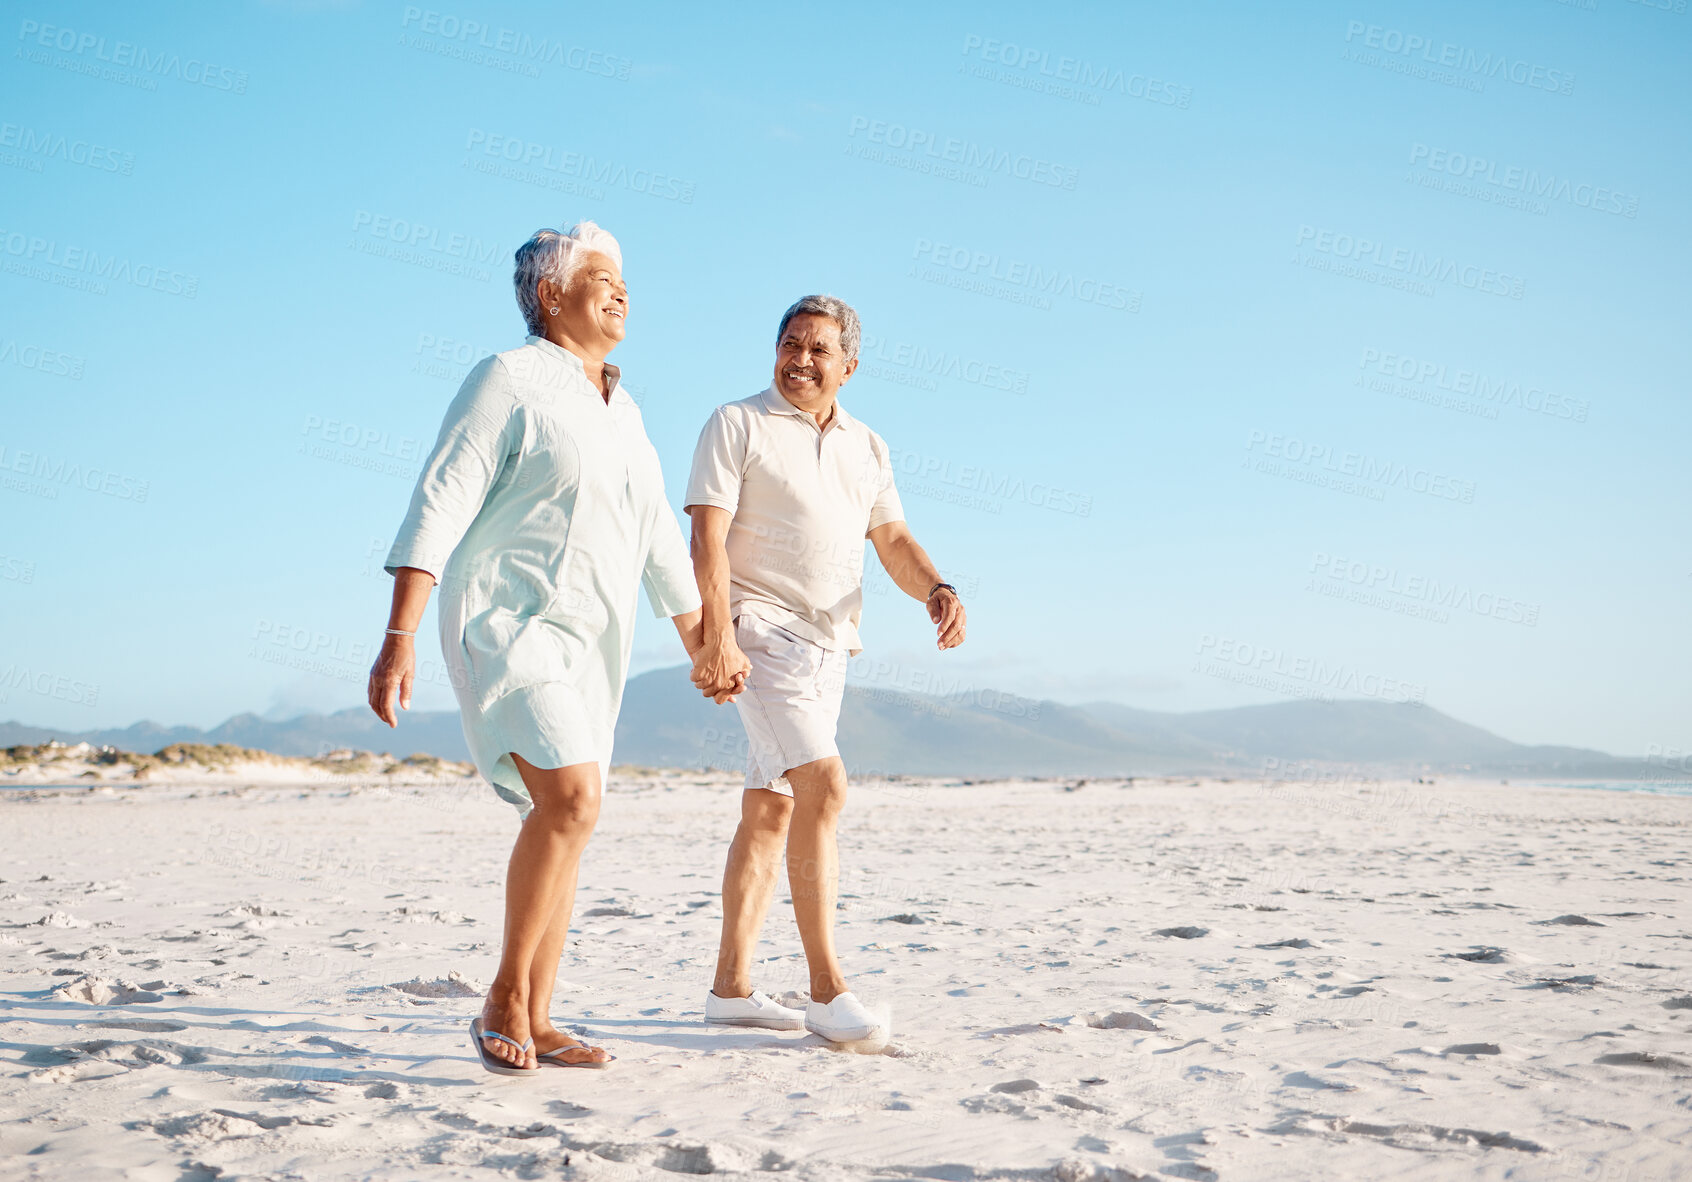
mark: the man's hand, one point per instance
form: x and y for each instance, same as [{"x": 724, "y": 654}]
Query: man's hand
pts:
[
  {"x": 720, "y": 669},
  {"x": 914, "y": 573},
  {"x": 947, "y": 612}
]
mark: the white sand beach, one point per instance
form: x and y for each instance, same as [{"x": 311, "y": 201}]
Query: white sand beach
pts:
[{"x": 1103, "y": 980}]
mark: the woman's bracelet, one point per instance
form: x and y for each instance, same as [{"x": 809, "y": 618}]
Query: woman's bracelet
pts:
[
  {"x": 937, "y": 587},
  {"x": 399, "y": 632}
]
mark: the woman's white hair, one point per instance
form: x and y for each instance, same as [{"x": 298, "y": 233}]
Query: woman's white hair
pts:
[{"x": 556, "y": 255}]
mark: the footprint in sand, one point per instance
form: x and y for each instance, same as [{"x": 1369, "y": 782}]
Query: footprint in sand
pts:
[
  {"x": 1121, "y": 1020},
  {"x": 1573, "y": 921},
  {"x": 252, "y": 917},
  {"x": 1078, "y": 1104},
  {"x": 422, "y": 915},
  {"x": 1644, "y": 1059},
  {"x": 1481, "y": 954},
  {"x": 1182, "y": 933},
  {"x": 221, "y": 1124},
  {"x": 995, "y": 1105},
  {"x": 1568, "y": 984},
  {"x": 143, "y": 1052},
  {"x": 1304, "y": 1079}
]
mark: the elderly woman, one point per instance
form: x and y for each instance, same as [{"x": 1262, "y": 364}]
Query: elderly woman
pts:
[{"x": 538, "y": 512}]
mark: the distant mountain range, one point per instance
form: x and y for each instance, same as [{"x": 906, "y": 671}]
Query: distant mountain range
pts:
[{"x": 666, "y": 723}]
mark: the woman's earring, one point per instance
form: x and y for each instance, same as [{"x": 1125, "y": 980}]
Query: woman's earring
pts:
[{"x": 555, "y": 311}]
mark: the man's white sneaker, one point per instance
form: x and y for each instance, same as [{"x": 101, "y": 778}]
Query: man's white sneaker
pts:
[
  {"x": 756, "y": 1010},
  {"x": 842, "y": 1020}
]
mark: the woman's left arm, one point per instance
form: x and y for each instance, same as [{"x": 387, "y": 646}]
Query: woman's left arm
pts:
[{"x": 690, "y": 626}]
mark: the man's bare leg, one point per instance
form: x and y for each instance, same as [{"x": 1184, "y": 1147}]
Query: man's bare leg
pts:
[
  {"x": 813, "y": 867},
  {"x": 543, "y": 868},
  {"x": 749, "y": 881}
]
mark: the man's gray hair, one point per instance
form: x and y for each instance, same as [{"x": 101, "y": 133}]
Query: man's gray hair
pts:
[
  {"x": 551, "y": 254},
  {"x": 836, "y": 310}
]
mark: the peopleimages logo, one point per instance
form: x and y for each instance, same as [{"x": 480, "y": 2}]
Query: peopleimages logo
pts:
[
  {"x": 928, "y": 364},
  {"x": 146, "y": 62},
  {"x": 1473, "y": 384},
  {"x": 1412, "y": 264},
  {"x": 422, "y": 236},
  {"x": 1082, "y": 73},
  {"x": 419, "y": 244},
  {"x": 57, "y": 471},
  {"x": 1271, "y": 668},
  {"x": 48, "y": 252},
  {"x": 1349, "y": 468},
  {"x": 47, "y": 361},
  {"x": 926, "y": 472},
  {"x": 48, "y": 685},
  {"x": 1376, "y": 579},
  {"x": 983, "y": 266},
  {"x": 48, "y": 145},
  {"x": 1526, "y": 181},
  {"x": 462, "y": 37},
  {"x": 946, "y": 149},
  {"x": 576, "y": 166},
  {"x": 1460, "y": 59}
]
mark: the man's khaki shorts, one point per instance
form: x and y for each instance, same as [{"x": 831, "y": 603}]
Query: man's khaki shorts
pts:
[{"x": 791, "y": 705}]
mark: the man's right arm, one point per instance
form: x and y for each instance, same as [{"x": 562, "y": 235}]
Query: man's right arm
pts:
[{"x": 719, "y": 668}]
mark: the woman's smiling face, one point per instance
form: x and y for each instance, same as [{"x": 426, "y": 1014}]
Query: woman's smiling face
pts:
[{"x": 595, "y": 306}]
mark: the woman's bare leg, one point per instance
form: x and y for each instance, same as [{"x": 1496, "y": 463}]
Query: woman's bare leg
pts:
[
  {"x": 543, "y": 974},
  {"x": 542, "y": 870}
]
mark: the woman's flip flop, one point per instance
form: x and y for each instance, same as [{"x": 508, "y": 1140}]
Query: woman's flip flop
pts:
[
  {"x": 551, "y": 1058},
  {"x": 491, "y": 1061}
]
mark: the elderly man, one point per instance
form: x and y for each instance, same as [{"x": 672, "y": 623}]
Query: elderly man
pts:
[{"x": 785, "y": 488}]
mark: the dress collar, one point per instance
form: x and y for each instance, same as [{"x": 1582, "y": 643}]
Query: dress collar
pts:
[{"x": 580, "y": 370}]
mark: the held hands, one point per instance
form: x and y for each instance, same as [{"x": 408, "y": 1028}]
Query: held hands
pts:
[
  {"x": 391, "y": 676},
  {"x": 720, "y": 669},
  {"x": 947, "y": 612}
]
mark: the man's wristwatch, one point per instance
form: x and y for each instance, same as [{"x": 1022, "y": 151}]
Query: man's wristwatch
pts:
[{"x": 947, "y": 586}]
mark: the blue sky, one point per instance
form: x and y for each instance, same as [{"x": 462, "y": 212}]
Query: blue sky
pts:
[{"x": 1231, "y": 352}]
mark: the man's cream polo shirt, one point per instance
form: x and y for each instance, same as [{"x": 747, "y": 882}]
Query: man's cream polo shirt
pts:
[{"x": 803, "y": 501}]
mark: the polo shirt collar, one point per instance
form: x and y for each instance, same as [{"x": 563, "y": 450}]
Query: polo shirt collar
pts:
[
  {"x": 576, "y": 366},
  {"x": 778, "y": 405}
]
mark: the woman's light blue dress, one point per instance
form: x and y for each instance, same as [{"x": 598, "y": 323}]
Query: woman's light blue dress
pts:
[{"x": 539, "y": 512}]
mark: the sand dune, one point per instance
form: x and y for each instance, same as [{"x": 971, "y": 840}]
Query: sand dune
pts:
[
  {"x": 218, "y": 764},
  {"x": 1096, "y": 981}
]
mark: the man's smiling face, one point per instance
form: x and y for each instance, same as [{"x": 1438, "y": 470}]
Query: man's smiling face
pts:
[{"x": 810, "y": 363}]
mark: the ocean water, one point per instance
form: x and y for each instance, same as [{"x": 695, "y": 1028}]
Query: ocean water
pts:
[{"x": 1665, "y": 787}]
